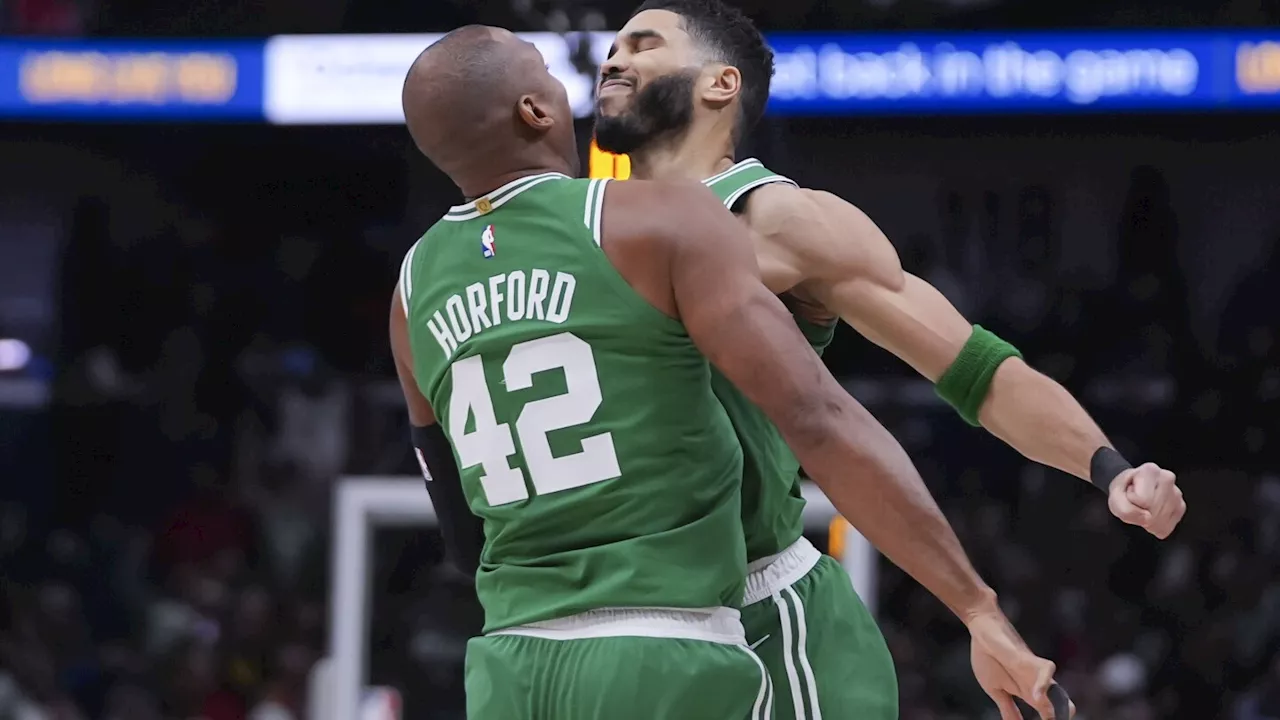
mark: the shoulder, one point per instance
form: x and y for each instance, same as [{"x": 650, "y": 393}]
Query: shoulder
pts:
[
  {"x": 652, "y": 230},
  {"x": 409, "y": 267},
  {"x": 674, "y": 193},
  {"x": 821, "y": 233},
  {"x": 780, "y": 209},
  {"x": 660, "y": 211}
]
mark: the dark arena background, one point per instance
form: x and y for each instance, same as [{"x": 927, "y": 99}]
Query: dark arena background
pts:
[{"x": 203, "y": 207}]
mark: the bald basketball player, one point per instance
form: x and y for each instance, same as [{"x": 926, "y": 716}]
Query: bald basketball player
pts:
[
  {"x": 552, "y": 338},
  {"x": 685, "y": 81}
]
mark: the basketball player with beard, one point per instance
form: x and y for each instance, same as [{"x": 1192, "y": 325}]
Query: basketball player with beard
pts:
[
  {"x": 684, "y": 83},
  {"x": 552, "y": 337}
]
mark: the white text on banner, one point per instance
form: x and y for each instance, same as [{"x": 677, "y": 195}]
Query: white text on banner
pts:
[{"x": 356, "y": 79}]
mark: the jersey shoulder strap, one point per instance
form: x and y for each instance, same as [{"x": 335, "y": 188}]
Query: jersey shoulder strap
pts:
[
  {"x": 473, "y": 210},
  {"x": 732, "y": 185},
  {"x": 594, "y": 210}
]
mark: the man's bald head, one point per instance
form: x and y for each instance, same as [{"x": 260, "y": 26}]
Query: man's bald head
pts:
[{"x": 478, "y": 94}]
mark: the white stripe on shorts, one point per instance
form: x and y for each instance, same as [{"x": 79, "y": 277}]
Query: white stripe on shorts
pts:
[
  {"x": 763, "y": 709},
  {"x": 802, "y": 649},
  {"x": 788, "y": 656}
]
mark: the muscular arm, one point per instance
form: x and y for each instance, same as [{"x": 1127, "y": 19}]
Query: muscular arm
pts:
[
  {"x": 745, "y": 331},
  {"x": 462, "y": 531},
  {"x": 420, "y": 412},
  {"x": 854, "y": 271}
]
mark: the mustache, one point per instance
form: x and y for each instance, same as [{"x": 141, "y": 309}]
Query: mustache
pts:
[
  {"x": 662, "y": 107},
  {"x": 614, "y": 75}
]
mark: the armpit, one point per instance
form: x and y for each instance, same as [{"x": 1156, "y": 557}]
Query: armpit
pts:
[{"x": 803, "y": 304}]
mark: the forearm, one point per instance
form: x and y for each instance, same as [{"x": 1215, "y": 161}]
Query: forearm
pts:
[
  {"x": 461, "y": 530},
  {"x": 979, "y": 374},
  {"x": 1038, "y": 417},
  {"x": 872, "y": 482}
]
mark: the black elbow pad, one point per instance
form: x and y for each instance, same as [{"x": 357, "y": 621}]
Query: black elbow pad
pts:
[{"x": 462, "y": 531}]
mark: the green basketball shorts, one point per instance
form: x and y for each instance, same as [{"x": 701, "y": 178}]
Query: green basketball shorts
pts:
[
  {"x": 824, "y": 651},
  {"x": 619, "y": 664}
]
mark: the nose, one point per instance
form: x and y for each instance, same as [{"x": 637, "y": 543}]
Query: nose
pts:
[{"x": 614, "y": 65}]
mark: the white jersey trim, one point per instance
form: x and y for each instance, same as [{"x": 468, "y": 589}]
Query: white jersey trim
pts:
[
  {"x": 499, "y": 197},
  {"x": 406, "y": 277},
  {"x": 595, "y": 208},
  {"x": 770, "y": 575},
  {"x": 733, "y": 170},
  {"x": 589, "y": 205},
  {"x": 718, "y": 625},
  {"x": 733, "y": 199}
]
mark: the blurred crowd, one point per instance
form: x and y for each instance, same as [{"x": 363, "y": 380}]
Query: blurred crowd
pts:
[
  {"x": 215, "y": 379},
  {"x": 118, "y": 623}
]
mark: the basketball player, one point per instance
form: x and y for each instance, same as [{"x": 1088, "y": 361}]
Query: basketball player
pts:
[
  {"x": 557, "y": 329},
  {"x": 686, "y": 80}
]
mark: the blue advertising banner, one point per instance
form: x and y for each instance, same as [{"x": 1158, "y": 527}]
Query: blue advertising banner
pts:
[
  {"x": 988, "y": 73},
  {"x": 105, "y": 80},
  {"x": 336, "y": 79},
  {"x": 356, "y": 79}
]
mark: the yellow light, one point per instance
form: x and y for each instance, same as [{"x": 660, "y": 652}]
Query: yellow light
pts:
[
  {"x": 128, "y": 77},
  {"x": 835, "y": 537},
  {"x": 1258, "y": 67},
  {"x": 602, "y": 164}
]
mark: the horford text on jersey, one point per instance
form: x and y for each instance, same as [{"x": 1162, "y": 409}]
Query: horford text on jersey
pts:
[{"x": 535, "y": 294}]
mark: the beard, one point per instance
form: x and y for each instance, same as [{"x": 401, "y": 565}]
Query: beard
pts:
[{"x": 663, "y": 107}]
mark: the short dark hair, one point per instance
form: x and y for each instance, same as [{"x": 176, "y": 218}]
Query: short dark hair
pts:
[
  {"x": 729, "y": 37},
  {"x": 444, "y": 111}
]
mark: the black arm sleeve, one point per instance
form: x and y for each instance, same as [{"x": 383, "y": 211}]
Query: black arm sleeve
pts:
[{"x": 463, "y": 532}]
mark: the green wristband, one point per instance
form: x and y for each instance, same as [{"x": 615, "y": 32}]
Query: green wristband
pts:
[{"x": 965, "y": 384}]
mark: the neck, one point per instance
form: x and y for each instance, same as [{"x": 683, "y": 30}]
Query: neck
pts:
[
  {"x": 484, "y": 183},
  {"x": 697, "y": 154}
]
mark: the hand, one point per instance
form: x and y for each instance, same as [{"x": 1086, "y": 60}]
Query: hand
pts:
[
  {"x": 1149, "y": 497},
  {"x": 1006, "y": 668}
]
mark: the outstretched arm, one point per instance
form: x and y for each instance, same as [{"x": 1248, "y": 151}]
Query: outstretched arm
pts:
[
  {"x": 854, "y": 271},
  {"x": 745, "y": 331}
]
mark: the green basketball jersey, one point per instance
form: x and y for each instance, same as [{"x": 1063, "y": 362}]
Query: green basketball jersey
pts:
[
  {"x": 772, "y": 505},
  {"x": 581, "y": 417}
]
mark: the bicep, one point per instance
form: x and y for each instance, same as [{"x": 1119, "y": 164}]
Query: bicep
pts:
[
  {"x": 913, "y": 321},
  {"x": 420, "y": 412},
  {"x": 856, "y": 274}
]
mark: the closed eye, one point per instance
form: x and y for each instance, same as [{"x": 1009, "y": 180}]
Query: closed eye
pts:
[{"x": 643, "y": 40}]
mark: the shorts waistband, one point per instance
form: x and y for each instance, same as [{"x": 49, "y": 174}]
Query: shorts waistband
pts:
[
  {"x": 718, "y": 625},
  {"x": 769, "y": 575}
]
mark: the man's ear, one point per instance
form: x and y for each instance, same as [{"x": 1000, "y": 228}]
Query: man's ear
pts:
[
  {"x": 532, "y": 114},
  {"x": 721, "y": 84}
]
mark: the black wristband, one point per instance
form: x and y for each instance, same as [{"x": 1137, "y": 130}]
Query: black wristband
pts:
[
  {"x": 462, "y": 531},
  {"x": 1105, "y": 466}
]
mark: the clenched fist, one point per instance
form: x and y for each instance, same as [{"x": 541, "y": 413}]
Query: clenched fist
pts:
[{"x": 1147, "y": 496}]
